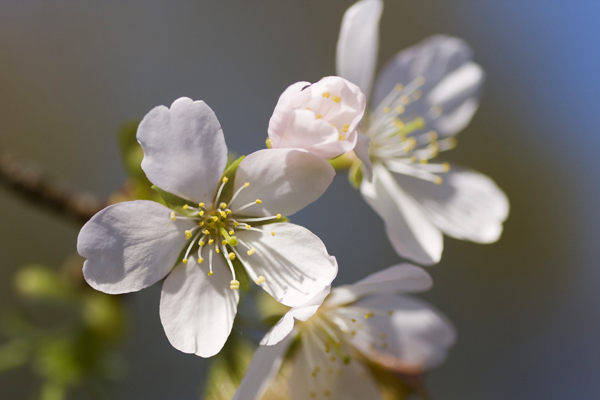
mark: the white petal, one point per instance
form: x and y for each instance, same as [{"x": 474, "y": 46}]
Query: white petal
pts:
[
  {"x": 285, "y": 325},
  {"x": 130, "y": 246},
  {"x": 414, "y": 337},
  {"x": 261, "y": 371},
  {"x": 409, "y": 229},
  {"x": 197, "y": 310},
  {"x": 399, "y": 278},
  {"x": 293, "y": 261},
  {"x": 184, "y": 149},
  {"x": 362, "y": 152},
  {"x": 335, "y": 380},
  {"x": 467, "y": 205},
  {"x": 358, "y": 43},
  {"x": 432, "y": 59},
  {"x": 285, "y": 180}
]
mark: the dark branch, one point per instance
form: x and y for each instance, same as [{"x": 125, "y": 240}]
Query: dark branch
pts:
[{"x": 38, "y": 187}]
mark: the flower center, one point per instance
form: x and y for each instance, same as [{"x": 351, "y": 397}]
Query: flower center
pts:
[
  {"x": 216, "y": 229},
  {"x": 399, "y": 136},
  {"x": 322, "y": 108}
]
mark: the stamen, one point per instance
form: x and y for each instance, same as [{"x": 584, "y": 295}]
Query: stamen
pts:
[
  {"x": 188, "y": 234},
  {"x": 173, "y": 217},
  {"x": 346, "y": 127},
  {"x": 223, "y": 182},
  {"x": 272, "y": 233},
  {"x": 201, "y": 205},
  {"x": 185, "y": 207},
  {"x": 238, "y": 192},
  {"x": 336, "y": 99},
  {"x": 326, "y": 94},
  {"x": 319, "y": 116},
  {"x": 251, "y": 251},
  {"x": 259, "y": 280},
  {"x": 341, "y": 138},
  {"x": 234, "y": 284}
]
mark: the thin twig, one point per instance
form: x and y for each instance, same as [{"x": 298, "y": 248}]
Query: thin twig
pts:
[{"x": 38, "y": 187}]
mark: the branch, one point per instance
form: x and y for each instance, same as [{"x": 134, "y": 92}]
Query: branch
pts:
[{"x": 38, "y": 187}]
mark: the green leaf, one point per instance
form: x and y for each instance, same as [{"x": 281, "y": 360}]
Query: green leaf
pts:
[
  {"x": 14, "y": 354},
  {"x": 229, "y": 173},
  {"x": 174, "y": 202}
]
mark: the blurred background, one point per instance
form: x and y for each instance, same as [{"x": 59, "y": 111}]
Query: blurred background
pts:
[{"x": 527, "y": 309}]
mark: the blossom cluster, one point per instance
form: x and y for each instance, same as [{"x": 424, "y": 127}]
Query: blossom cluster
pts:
[{"x": 223, "y": 224}]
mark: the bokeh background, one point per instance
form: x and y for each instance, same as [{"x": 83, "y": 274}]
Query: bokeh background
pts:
[{"x": 527, "y": 309}]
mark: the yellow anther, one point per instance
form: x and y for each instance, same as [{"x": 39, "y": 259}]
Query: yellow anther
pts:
[
  {"x": 258, "y": 201},
  {"x": 201, "y": 243},
  {"x": 223, "y": 205},
  {"x": 206, "y": 232},
  {"x": 400, "y": 109},
  {"x": 332, "y": 358},
  {"x": 228, "y": 212},
  {"x": 399, "y": 124},
  {"x": 326, "y": 94},
  {"x": 232, "y": 232},
  {"x": 352, "y": 333},
  {"x": 248, "y": 226},
  {"x": 383, "y": 336},
  {"x": 223, "y": 214},
  {"x": 399, "y": 87},
  {"x": 309, "y": 109},
  {"x": 236, "y": 224},
  {"x": 390, "y": 313},
  {"x": 346, "y": 127},
  {"x": 173, "y": 217},
  {"x": 353, "y": 320},
  {"x": 232, "y": 256},
  {"x": 234, "y": 284},
  {"x": 341, "y": 138},
  {"x": 215, "y": 218},
  {"x": 423, "y": 161},
  {"x": 432, "y": 136},
  {"x": 420, "y": 80},
  {"x": 201, "y": 204},
  {"x": 327, "y": 393},
  {"x": 184, "y": 261},
  {"x": 272, "y": 233},
  {"x": 336, "y": 99},
  {"x": 319, "y": 116},
  {"x": 384, "y": 345},
  {"x": 201, "y": 223},
  {"x": 246, "y": 184},
  {"x": 451, "y": 142},
  {"x": 210, "y": 273},
  {"x": 405, "y": 100},
  {"x": 200, "y": 260},
  {"x": 225, "y": 179},
  {"x": 269, "y": 143},
  {"x": 417, "y": 94},
  {"x": 446, "y": 167},
  {"x": 386, "y": 110},
  {"x": 438, "y": 180},
  {"x": 210, "y": 241},
  {"x": 369, "y": 315},
  {"x": 200, "y": 213},
  {"x": 185, "y": 206},
  {"x": 259, "y": 280},
  {"x": 188, "y": 234},
  {"x": 278, "y": 216},
  {"x": 251, "y": 251},
  {"x": 313, "y": 394},
  {"x": 224, "y": 242},
  {"x": 217, "y": 250}
]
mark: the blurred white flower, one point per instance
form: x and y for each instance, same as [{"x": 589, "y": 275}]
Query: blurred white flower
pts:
[
  {"x": 422, "y": 98},
  {"x": 321, "y": 118},
  {"x": 132, "y": 245},
  {"x": 355, "y": 325}
]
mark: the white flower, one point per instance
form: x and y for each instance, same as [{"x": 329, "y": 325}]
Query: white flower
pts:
[
  {"x": 321, "y": 118},
  {"x": 421, "y": 99},
  {"x": 355, "y": 325},
  {"x": 218, "y": 222}
]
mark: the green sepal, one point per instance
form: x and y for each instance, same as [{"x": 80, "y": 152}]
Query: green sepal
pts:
[
  {"x": 355, "y": 175},
  {"x": 342, "y": 161},
  {"x": 229, "y": 173},
  {"x": 241, "y": 274},
  {"x": 175, "y": 203},
  {"x": 261, "y": 223}
]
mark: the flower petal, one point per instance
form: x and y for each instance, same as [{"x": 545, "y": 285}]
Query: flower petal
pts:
[
  {"x": 395, "y": 279},
  {"x": 451, "y": 87},
  {"x": 409, "y": 229},
  {"x": 262, "y": 369},
  {"x": 362, "y": 152},
  {"x": 285, "y": 325},
  {"x": 467, "y": 205},
  {"x": 196, "y": 310},
  {"x": 405, "y": 334},
  {"x": 334, "y": 379},
  {"x": 130, "y": 246},
  {"x": 285, "y": 180},
  {"x": 358, "y": 43},
  {"x": 184, "y": 149},
  {"x": 293, "y": 261}
]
